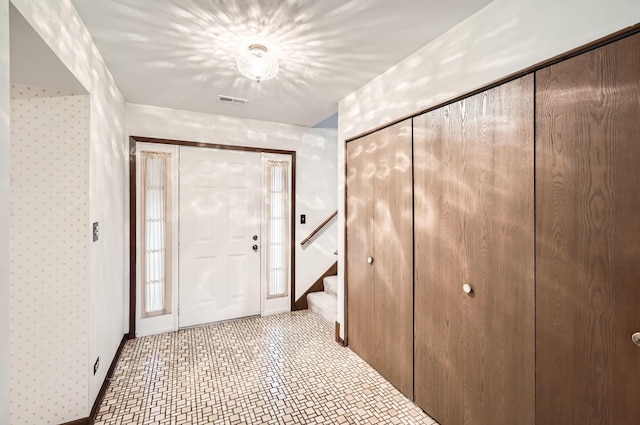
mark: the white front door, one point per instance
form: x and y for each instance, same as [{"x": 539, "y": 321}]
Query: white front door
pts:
[{"x": 220, "y": 200}]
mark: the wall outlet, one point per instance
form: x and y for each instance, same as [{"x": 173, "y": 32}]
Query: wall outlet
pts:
[
  {"x": 303, "y": 218},
  {"x": 96, "y": 231},
  {"x": 96, "y": 365}
]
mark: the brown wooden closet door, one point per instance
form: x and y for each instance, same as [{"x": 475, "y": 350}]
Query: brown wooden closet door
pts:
[
  {"x": 588, "y": 238},
  {"x": 474, "y": 225},
  {"x": 499, "y": 344},
  {"x": 393, "y": 255},
  {"x": 359, "y": 273},
  {"x": 440, "y": 264}
]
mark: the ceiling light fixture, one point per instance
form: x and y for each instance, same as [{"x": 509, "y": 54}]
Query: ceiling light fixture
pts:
[{"x": 257, "y": 63}]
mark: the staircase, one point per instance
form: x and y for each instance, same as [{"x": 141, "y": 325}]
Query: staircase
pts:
[{"x": 325, "y": 303}]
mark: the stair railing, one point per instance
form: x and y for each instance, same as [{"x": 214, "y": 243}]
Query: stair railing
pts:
[{"x": 319, "y": 228}]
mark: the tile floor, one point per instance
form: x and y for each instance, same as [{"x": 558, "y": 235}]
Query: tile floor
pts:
[{"x": 284, "y": 369}]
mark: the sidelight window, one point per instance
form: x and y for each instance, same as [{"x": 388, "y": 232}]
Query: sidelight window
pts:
[
  {"x": 277, "y": 229},
  {"x": 156, "y": 233}
]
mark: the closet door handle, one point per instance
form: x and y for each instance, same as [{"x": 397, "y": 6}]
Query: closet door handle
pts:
[
  {"x": 370, "y": 260},
  {"x": 636, "y": 338},
  {"x": 467, "y": 288}
]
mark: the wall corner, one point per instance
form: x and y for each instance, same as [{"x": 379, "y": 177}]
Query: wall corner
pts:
[{"x": 4, "y": 211}]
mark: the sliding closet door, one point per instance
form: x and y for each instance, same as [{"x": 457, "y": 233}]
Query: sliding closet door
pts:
[
  {"x": 393, "y": 255},
  {"x": 380, "y": 252},
  {"x": 360, "y": 293},
  {"x": 588, "y": 237},
  {"x": 499, "y": 345},
  {"x": 441, "y": 264},
  {"x": 474, "y": 267}
]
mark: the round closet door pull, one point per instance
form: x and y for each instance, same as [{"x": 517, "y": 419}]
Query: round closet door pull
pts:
[
  {"x": 467, "y": 288},
  {"x": 370, "y": 260},
  {"x": 636, "y": 338}
]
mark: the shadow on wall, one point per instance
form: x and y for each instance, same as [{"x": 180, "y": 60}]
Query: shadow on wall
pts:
[
  {"x": 93, "y": 302},
  {"x": 431, "y": 68}
]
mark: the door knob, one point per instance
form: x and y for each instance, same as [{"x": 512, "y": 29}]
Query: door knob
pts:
[
  {"x": 467, "y": 288},
  {"x": 255, "y": 248},
  {"x": 370, "y": 260},
  {"x": 255, "y": 237},
  {"x": 636, "y": 338}
]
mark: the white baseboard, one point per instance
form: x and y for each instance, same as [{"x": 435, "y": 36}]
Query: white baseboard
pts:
[
  {"x": 271, "y": 313},
  {"x": 154, "y": 332}
]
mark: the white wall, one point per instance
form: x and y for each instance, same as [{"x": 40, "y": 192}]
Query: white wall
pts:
[
  {"x": 504, "y": 37},
  {"x": 49, "y": 267},
  {"x": 4, "y": 211},
  {"x": 59, "y": 25},
  {"x": 316, "y": 167}
]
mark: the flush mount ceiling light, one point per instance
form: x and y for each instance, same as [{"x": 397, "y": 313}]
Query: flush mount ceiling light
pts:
[{"x": 257, "y": 63}]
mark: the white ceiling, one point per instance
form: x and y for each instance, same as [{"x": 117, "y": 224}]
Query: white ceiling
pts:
[{"x": 181, "y": 53}]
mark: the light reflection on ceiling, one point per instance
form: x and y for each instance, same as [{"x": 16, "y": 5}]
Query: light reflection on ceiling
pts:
[{"x": 181, "y": 54}]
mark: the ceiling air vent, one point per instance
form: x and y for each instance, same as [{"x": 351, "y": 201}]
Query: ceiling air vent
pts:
[{"x": 232, "y": 100}]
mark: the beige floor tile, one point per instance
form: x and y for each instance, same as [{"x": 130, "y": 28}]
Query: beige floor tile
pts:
[{"x": 276, "y": 370}]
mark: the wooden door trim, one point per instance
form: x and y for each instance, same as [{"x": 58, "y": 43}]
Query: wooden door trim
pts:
[
  {"x": 345, "y": 291},
  {"x": 133, "y": 210},
  {"x": 413, "y": 261},
  {"x": 133, "y": 248},
  {"x": 618, "y": 35}
]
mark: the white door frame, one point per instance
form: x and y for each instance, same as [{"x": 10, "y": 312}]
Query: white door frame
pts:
[{"x": 133, "y": 224}]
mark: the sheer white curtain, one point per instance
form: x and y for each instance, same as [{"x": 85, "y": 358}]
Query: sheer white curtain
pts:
[
  {"x": 277, "y": 229},
  {"x": 156, "y": 233}
]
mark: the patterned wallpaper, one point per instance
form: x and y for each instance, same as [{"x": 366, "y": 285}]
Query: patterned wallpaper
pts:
[{"x": 49, "y": 256}]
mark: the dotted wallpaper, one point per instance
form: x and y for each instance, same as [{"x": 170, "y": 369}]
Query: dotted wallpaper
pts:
[{"x": 49, "y": 256}]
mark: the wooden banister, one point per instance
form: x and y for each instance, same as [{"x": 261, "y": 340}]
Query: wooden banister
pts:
[{"x": 317, "y": 229}]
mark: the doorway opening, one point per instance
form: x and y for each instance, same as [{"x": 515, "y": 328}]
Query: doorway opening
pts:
[{"x": 211, "y": 233}]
